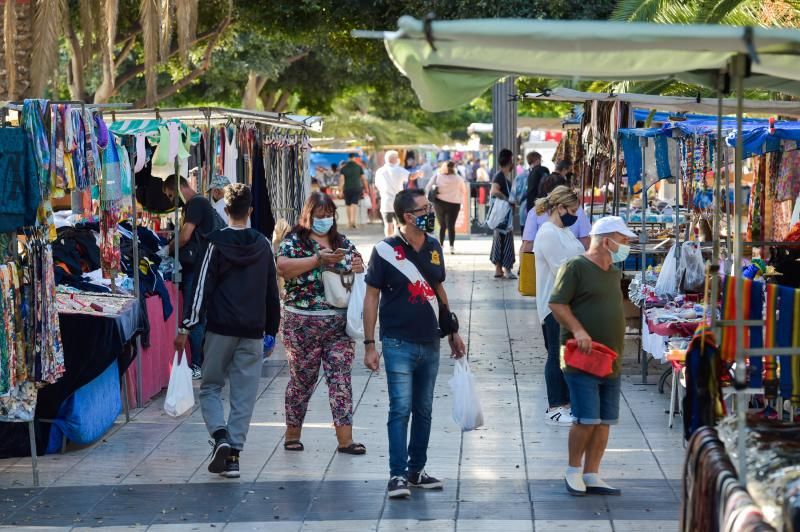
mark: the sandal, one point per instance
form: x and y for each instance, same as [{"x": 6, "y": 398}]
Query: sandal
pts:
[
  {"x": 353, "y": 448},
  {"x": 293, "y": 445},
  {"x": 496, "y": 276}
]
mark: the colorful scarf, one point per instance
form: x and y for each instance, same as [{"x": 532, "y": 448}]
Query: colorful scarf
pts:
[
  {"x": 93, "y": 171},
  {"x": 784, "y": 336},
  {"x": 111, "y": 183},
  {"x": 32, "y": 118},
  {"x": 728, "y": 344}
]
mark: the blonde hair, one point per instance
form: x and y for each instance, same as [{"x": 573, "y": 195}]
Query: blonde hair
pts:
[{"x": 560, "y": 195}]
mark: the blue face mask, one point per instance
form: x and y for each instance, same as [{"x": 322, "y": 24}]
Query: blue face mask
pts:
[
  {"x": 426, "y": 222},
  {"x": 322, "y": 226},
  {"x": 621, "y": 253}
]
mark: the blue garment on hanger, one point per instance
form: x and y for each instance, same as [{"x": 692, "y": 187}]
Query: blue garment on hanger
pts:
[
  {"x": 663, "y": 170},
  {"x": 19, "y": 186},
  {"x": 633, "y": 160},
  {"x": 783, "y": 336},
  {"x": 756, "y": 312}
]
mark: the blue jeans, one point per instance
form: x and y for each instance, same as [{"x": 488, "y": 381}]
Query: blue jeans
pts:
[
  {"x": 411, "y": 370},
  {"x": 595, "y": 401},
  {"x": 557, "y": 390},
  {"x": 198, "y": 332}
]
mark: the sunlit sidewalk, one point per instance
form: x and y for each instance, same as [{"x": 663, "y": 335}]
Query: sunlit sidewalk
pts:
[{"x": 150, "y": 474}]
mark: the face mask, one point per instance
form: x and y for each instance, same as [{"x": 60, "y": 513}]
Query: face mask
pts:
[
  {"x": 321, "y": 226},
  {"x": 426, "y": 222},
  {"x": 621, "y": 253},
  {"x": 568, "y": 219}
]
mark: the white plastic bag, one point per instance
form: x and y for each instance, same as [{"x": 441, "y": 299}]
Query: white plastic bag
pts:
[
  {"x": 691, "y": 270},
  {"x": 498, "y": 214},
  {"x": 467, "y": 411},
  {"x": 667, "y": 283},
  {"x": 355, "y": 310},
  {"x": 180, "y": 394}
]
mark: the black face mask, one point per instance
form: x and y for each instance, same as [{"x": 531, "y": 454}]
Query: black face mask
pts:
[
  {"x": 426, "y": 222},
  {"x": 568, "y": 219}
]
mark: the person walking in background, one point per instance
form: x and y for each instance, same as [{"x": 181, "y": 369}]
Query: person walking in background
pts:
[
  {"x": 353, "y": 184},
  {"x": 563, "y": 170},
  {"x": 534, "y": 221},
  {"x": 237, "y": 291},
  {"x": 313, "y": 330},
  {"x": 587, "y": 302},
  {"x": 199, "y": 220},
  {"x": 426, "y": 173},
  {"x": 390, "y": 179},
  {"x": 536, "y": 172},
  {"x": 481, "y": 174},
  {"x": 406, "y": 275},
  {"x": 555, "y": 244},
  {"x": 502, "y": 254},
  {"x": 217, "y": 189},
  {"x": 447, "y": 189}
]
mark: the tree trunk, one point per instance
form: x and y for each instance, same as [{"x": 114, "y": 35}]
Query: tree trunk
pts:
[
  {"x": 283, "y": 101},
  {"x": 250, "y": 97},
  {"x": 268, "y": 100},
  {"x": 77, "y": 86}
]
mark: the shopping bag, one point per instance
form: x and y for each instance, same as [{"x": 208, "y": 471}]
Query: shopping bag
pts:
[
  {"x": 527, "y": 275},
  {"x": 467, "y": 411},
  {"x": 365, "y": 202},
  {"x": 498, "y": 214},
  {"x": 599, "y": 361},
  {"x": 667, "y": 283},
  {"x": 691, "y": 270},
  {"x": 355, "y": 310},
  {"x": 180, "y": 393}
]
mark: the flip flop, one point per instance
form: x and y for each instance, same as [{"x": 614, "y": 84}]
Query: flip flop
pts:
[
  {"x": 499, "y": 276},
  {"x": 353, "y": 448},
  {"x": 293, "y": 445}
]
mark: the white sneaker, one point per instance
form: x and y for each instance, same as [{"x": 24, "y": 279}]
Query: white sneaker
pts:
[
  {"x": 574, "y": 482},
  {"x": 566, "y": 416},
  {"x": 558, "y": 417}
]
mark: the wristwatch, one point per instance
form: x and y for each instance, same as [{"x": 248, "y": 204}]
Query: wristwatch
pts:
[
  {"x": 369, "y": 342},
  {"x": 182, "y": 330}
]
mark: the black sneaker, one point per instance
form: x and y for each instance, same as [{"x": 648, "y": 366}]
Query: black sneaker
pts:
[
  {"x": 424, "y": 481},
  {"x": 398, "y": 488},
  {"x": 221, "y": 452},
  {"x": 231, "y": 467}
]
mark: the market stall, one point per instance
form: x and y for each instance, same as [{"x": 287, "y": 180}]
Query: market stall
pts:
[{"x": 451, "y": 62}]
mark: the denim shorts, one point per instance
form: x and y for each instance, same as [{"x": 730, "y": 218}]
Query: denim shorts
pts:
[{"x": 594, "y": 400}]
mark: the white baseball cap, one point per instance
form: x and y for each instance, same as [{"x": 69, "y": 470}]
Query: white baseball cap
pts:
[{"x": 611, "y": 224}]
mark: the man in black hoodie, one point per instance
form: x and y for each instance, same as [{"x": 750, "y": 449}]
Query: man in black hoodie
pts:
[{"x": 237, "y": 292}]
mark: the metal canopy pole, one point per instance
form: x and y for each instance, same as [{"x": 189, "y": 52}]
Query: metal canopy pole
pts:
[
  {"x": 177, "y": 239},
  {"x": 718, "y": 174},
  {"x": 677, "y": 216},
  {"x": 738, "y": 68},
  {"x": 643, "y": 243},
  {"x": 617, "y": 177},
  {"x": 136, "y": 287}
]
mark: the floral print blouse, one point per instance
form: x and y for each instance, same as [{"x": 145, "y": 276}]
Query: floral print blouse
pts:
[{"x": 306, "y": 292}]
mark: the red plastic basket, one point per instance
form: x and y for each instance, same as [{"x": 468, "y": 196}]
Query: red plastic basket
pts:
[{"x": 598, "y": 362}]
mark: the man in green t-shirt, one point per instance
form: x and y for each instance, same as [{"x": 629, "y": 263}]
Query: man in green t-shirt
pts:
[
  {"x": 587, "y": 302},
  {"x": 353, "y": 184}
]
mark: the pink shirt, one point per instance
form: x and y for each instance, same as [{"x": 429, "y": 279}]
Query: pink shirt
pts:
[{"x": 451, "y": 187}]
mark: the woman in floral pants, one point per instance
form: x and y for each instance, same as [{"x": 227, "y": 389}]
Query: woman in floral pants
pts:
[{"x": 314, "y": 331}]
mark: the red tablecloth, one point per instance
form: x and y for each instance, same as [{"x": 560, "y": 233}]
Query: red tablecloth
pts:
[
  {"x": 672, "y": 328},
  {"x": 156, "y": 359}
]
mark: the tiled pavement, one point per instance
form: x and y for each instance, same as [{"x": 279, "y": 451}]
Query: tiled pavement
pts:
[{"x": 151, "y": 474}]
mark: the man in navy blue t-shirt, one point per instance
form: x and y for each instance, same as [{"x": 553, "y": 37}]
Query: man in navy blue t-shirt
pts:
[{"x": 405, "y": 275}]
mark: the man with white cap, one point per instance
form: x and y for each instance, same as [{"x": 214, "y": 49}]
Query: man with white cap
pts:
[
  {"x": 587, "y": 302},
  {"x": 390, "y": 179},
  {"x": 217, "y": 189}
]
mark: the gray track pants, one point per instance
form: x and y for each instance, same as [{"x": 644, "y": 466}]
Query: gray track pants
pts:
[{"x": 240, "y": 360}]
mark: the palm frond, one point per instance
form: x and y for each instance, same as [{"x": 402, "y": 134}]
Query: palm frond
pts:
[
  {"x": 165, "y": 33},
  {"x": 151, "y": 25},
  {"x": 47, "y": 17},
  {"x": 677, "y": 13},
  {"x": 10, "y": 47},
  {"x": 713, "y": 11},
  {"x": 186, "y": 19},
  {"x": 638, "y": 10}
]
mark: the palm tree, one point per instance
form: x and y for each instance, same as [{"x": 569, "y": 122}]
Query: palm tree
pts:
[{"x": 765, "y": 13}]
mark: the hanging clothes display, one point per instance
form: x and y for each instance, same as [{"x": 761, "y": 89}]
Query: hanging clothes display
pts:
[{"x": 231, "y": 154}]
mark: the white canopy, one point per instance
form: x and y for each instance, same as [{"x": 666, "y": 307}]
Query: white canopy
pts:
[{"x": 451, "y": 62}]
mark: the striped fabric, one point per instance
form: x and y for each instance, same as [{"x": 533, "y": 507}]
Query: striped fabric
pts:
[{"x": 503, "y": 249}]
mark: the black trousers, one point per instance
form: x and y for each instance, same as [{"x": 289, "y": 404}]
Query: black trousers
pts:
[{"x": 447, "y": 213}]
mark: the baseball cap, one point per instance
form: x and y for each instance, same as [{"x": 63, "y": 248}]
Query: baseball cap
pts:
[
  {"x": 611, "y": 224},
  {"x": 219, "y": 181}
]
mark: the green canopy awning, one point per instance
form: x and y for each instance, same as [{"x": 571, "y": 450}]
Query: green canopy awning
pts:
[{"x": 456, "y": 61}]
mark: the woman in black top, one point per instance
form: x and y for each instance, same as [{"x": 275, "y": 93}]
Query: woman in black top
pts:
[{"x": 502, "y": 255}]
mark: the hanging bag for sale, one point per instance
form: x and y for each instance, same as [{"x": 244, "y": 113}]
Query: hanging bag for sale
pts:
[{"x": 527, "y": 274}]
